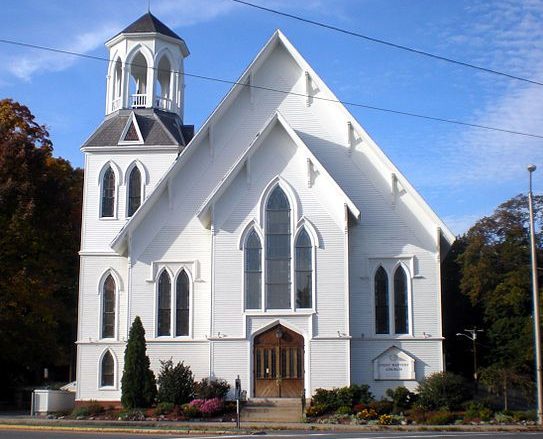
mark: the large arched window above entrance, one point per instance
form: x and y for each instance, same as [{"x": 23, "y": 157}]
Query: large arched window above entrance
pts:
[
  {"x": 253, "y": 271},
  {"x": 304, "y": 270},
  {"x": 182, "y": 304},
  {"x": 108, "y": 307},
  {"x": 164, "y": 304},
  {"x": 134, "y": 191},
  {"x": 278, "y": 253},
  {"x": 381, "y": 302},
  {"x": 107, "y": 370},
  {"x": 401, "y": 319},
  {"x": 108, "y": 194}
]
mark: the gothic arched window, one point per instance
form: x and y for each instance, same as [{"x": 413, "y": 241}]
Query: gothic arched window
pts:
[
  {"x": 253, "y": 271},
  {"x": 304, "y": 270},
  {"x": 108, "y": 193},
  {"x": 134, "y": 191},
  {"x": 107, "y": 370},
  {"x": 182, "y": 304},
  {"x": 401, "y": 320},
  {"x": 381, "y": 302},
  {"x": 108, "y": 308},
  {"x": 278, "y": 256},
  {"x": 164, "y": 304}
]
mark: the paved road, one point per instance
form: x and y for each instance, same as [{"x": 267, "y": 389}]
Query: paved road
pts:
[{"x": 18, "y": 434}]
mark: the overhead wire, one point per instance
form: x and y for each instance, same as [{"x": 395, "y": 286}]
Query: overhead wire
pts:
[
  {"x": 285, "y": 92},
  {"x": 389, "y": 43}
]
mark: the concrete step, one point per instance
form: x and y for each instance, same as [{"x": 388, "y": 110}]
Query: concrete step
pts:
[{"x": 272, "y": 409}]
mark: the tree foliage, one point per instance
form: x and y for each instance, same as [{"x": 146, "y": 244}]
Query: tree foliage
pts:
[
  {"x": 175, "y": 383},
  {"x": 442, "y": 391},
  {"x": 40, "y": 217},
  {"x": 138, "y": 382}
]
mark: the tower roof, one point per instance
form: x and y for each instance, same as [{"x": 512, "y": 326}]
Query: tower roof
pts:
[{"x": 148, "y": 23}]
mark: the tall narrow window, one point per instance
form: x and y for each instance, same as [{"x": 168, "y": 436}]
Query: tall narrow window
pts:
[
  {"x": 253, "y": 272},
  {"x": 304, "y": 270},
  {"x": 278, "y": 250},
  {"x": 108, "y": 193},
  {"x": 164, "y": 304},
  {"x": 108, "y": 308},
  {"x": 381, "y": 302},
  {"x": 182, "y": 305},
  {"x": 401, "y": 320},
  {"x": 107, "y": 370},
  {"x": 134, "y": 191}
]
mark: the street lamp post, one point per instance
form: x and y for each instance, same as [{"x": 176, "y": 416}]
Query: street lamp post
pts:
[
  {"x": 473, "y": 337},
  {"x": 535, "y": 292}
]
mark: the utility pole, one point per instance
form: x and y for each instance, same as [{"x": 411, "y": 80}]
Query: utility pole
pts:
[
  {"x": 535, "y": 292},
  {"x": 473, "y": 337}
]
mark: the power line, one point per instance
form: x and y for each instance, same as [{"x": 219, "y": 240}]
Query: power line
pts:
[
  {"x": 285, "y": 92},
  {"x": 389, "y": 43}
]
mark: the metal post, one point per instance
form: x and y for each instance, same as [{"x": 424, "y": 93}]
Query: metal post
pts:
[
  {"x": 32, "y": 403},
  {"x": 535, "y": 292}
]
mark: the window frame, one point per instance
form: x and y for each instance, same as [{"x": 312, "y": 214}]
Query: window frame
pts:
[
  {"x": 100, "y": 370},
  {"x": 117, "y": 174},
  {"x": 101, "y": 285},
  {"x": 174, "y": 304},
  {"x": 144, "y": 180},
  {"x": 157, "y": 303}
]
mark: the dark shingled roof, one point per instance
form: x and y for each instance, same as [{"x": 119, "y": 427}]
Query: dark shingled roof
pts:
[
  {"x": 157, "y": 128},
  {"x": 149, "y": 23}
]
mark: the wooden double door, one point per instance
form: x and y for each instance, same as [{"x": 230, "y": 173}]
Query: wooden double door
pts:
[{"x": 278, "y": 363}]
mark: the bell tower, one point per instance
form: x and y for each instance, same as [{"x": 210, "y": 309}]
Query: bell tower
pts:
[{"x": 146, "y": 68}]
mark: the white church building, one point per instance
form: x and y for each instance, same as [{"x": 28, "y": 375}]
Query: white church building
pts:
[{"x": 277, "y": 243}]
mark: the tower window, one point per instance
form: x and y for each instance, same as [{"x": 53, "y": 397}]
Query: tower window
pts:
[
  {"x": 107, "y": 376},
  {"x": 134, "y": 191},
  {"x": 108, "y": 193},
  {"x": 108, "y": 308}
]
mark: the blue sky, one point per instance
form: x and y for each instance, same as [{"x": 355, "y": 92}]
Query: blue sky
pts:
[{"x": 464, "y": 173}]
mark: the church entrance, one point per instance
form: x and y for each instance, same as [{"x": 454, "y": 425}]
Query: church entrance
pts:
[{"x": 278, "y": 363}]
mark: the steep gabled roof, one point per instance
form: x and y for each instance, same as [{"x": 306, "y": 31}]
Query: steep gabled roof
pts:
[
  {"x": 277, "y": 38},
  {"x": 277, "y": 118},
  {"x": 148, "y": 23}
]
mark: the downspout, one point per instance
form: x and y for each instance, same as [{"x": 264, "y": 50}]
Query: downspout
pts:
[
  {"x": 347, "y": 292},
  {"x": 439, "y": 298},
  {"x": 212, "y": 294}
]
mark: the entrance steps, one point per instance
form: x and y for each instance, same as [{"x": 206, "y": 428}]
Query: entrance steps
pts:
[{"x": 272, "y": 410}]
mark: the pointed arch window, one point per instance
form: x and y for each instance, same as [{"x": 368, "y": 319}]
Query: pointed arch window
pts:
[
  {"x": 108, "y": 193},
  {"x": 164, "y": 304},
  {"x": 304, "y": 270},
  {"x": 107, "y": 370},
  {"x": 134, "y": 191},
  {"x": 108, "y": 308},
  {"x": 278, "y": 253},
  {"x": 182, "y": 299},
  {"x": 381, "y": 302},
  {"x": 253, "y": 271},
  {"x": 401, "y": 320}
]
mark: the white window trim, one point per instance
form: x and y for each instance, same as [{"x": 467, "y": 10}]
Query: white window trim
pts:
[
  {"x": 118, "y": 179},
  {"x": 115, "y": 371},
  {"x": 118, "y": 289},
  {"x": 173, "y": 302},
  {"x": 390, "y": 265}
]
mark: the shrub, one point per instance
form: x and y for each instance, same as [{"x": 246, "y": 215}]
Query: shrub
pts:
[
  {"x": 333, "y": 399},
  {"x": 528, "y": 415},
  {"x": 175, "y": 383},
  {"x": 91, "y": 409},
  {"x": 344, "y": 410},
  {"x": 315, "y": 410},
  {"x": 80, "y": 412},
  {"x": 211, "y": 407},
  {"x": 138, "y": 386},
  {"x": 132, "y": 415},
  {"x": 382, "y": 407},
  {"x": 442, "y": 390},
  {"x": 191, "y": 411},
  {"x": 367, "y": 414},
  {"x": 402, "y": 399},
  {"x": 164, "y": 408},
  {"x": 502, "y": 418},
  {"x": 440, "y": 418},
  {"x": 477, "y": 411},
  {"x": 385, "y": 420},
  {"x": 209, "y": 389}
]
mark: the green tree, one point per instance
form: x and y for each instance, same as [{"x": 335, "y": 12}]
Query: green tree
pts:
[
  {"x": 495, "y": 267},
  {"x": 138, "y": 381},
  {"x": 40, "y": 217}
]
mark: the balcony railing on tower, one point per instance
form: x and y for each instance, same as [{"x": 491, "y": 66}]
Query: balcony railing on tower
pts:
[
  {"x": 139, "y": 101},
  {"x": 163, "y": 103}
]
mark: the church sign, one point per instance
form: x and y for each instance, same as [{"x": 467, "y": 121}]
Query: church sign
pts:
[{"x": 394, "y": 364}]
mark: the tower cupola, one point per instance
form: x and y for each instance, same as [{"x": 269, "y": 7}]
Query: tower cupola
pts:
[{"x": 146, "y": 67}]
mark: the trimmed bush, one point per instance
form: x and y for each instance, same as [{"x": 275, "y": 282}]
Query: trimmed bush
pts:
[
  {"x": 175, "y": 383},
  {"x": 382, "y": 407},
  {"x": 477, "y": 411},
  {"x": 164, "y": 408},
  {"x": 191, "y": 411},
  {"x": 344, "y": 410},
  {"x": 442, "y": 391},
  {"x": 212, "y": 407},
  {"x": 332, "y": 400},
  {"x": 138, "y": 386},
  {"x": 315, "y": 410},
  {"x": 209, "y": 389}
]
